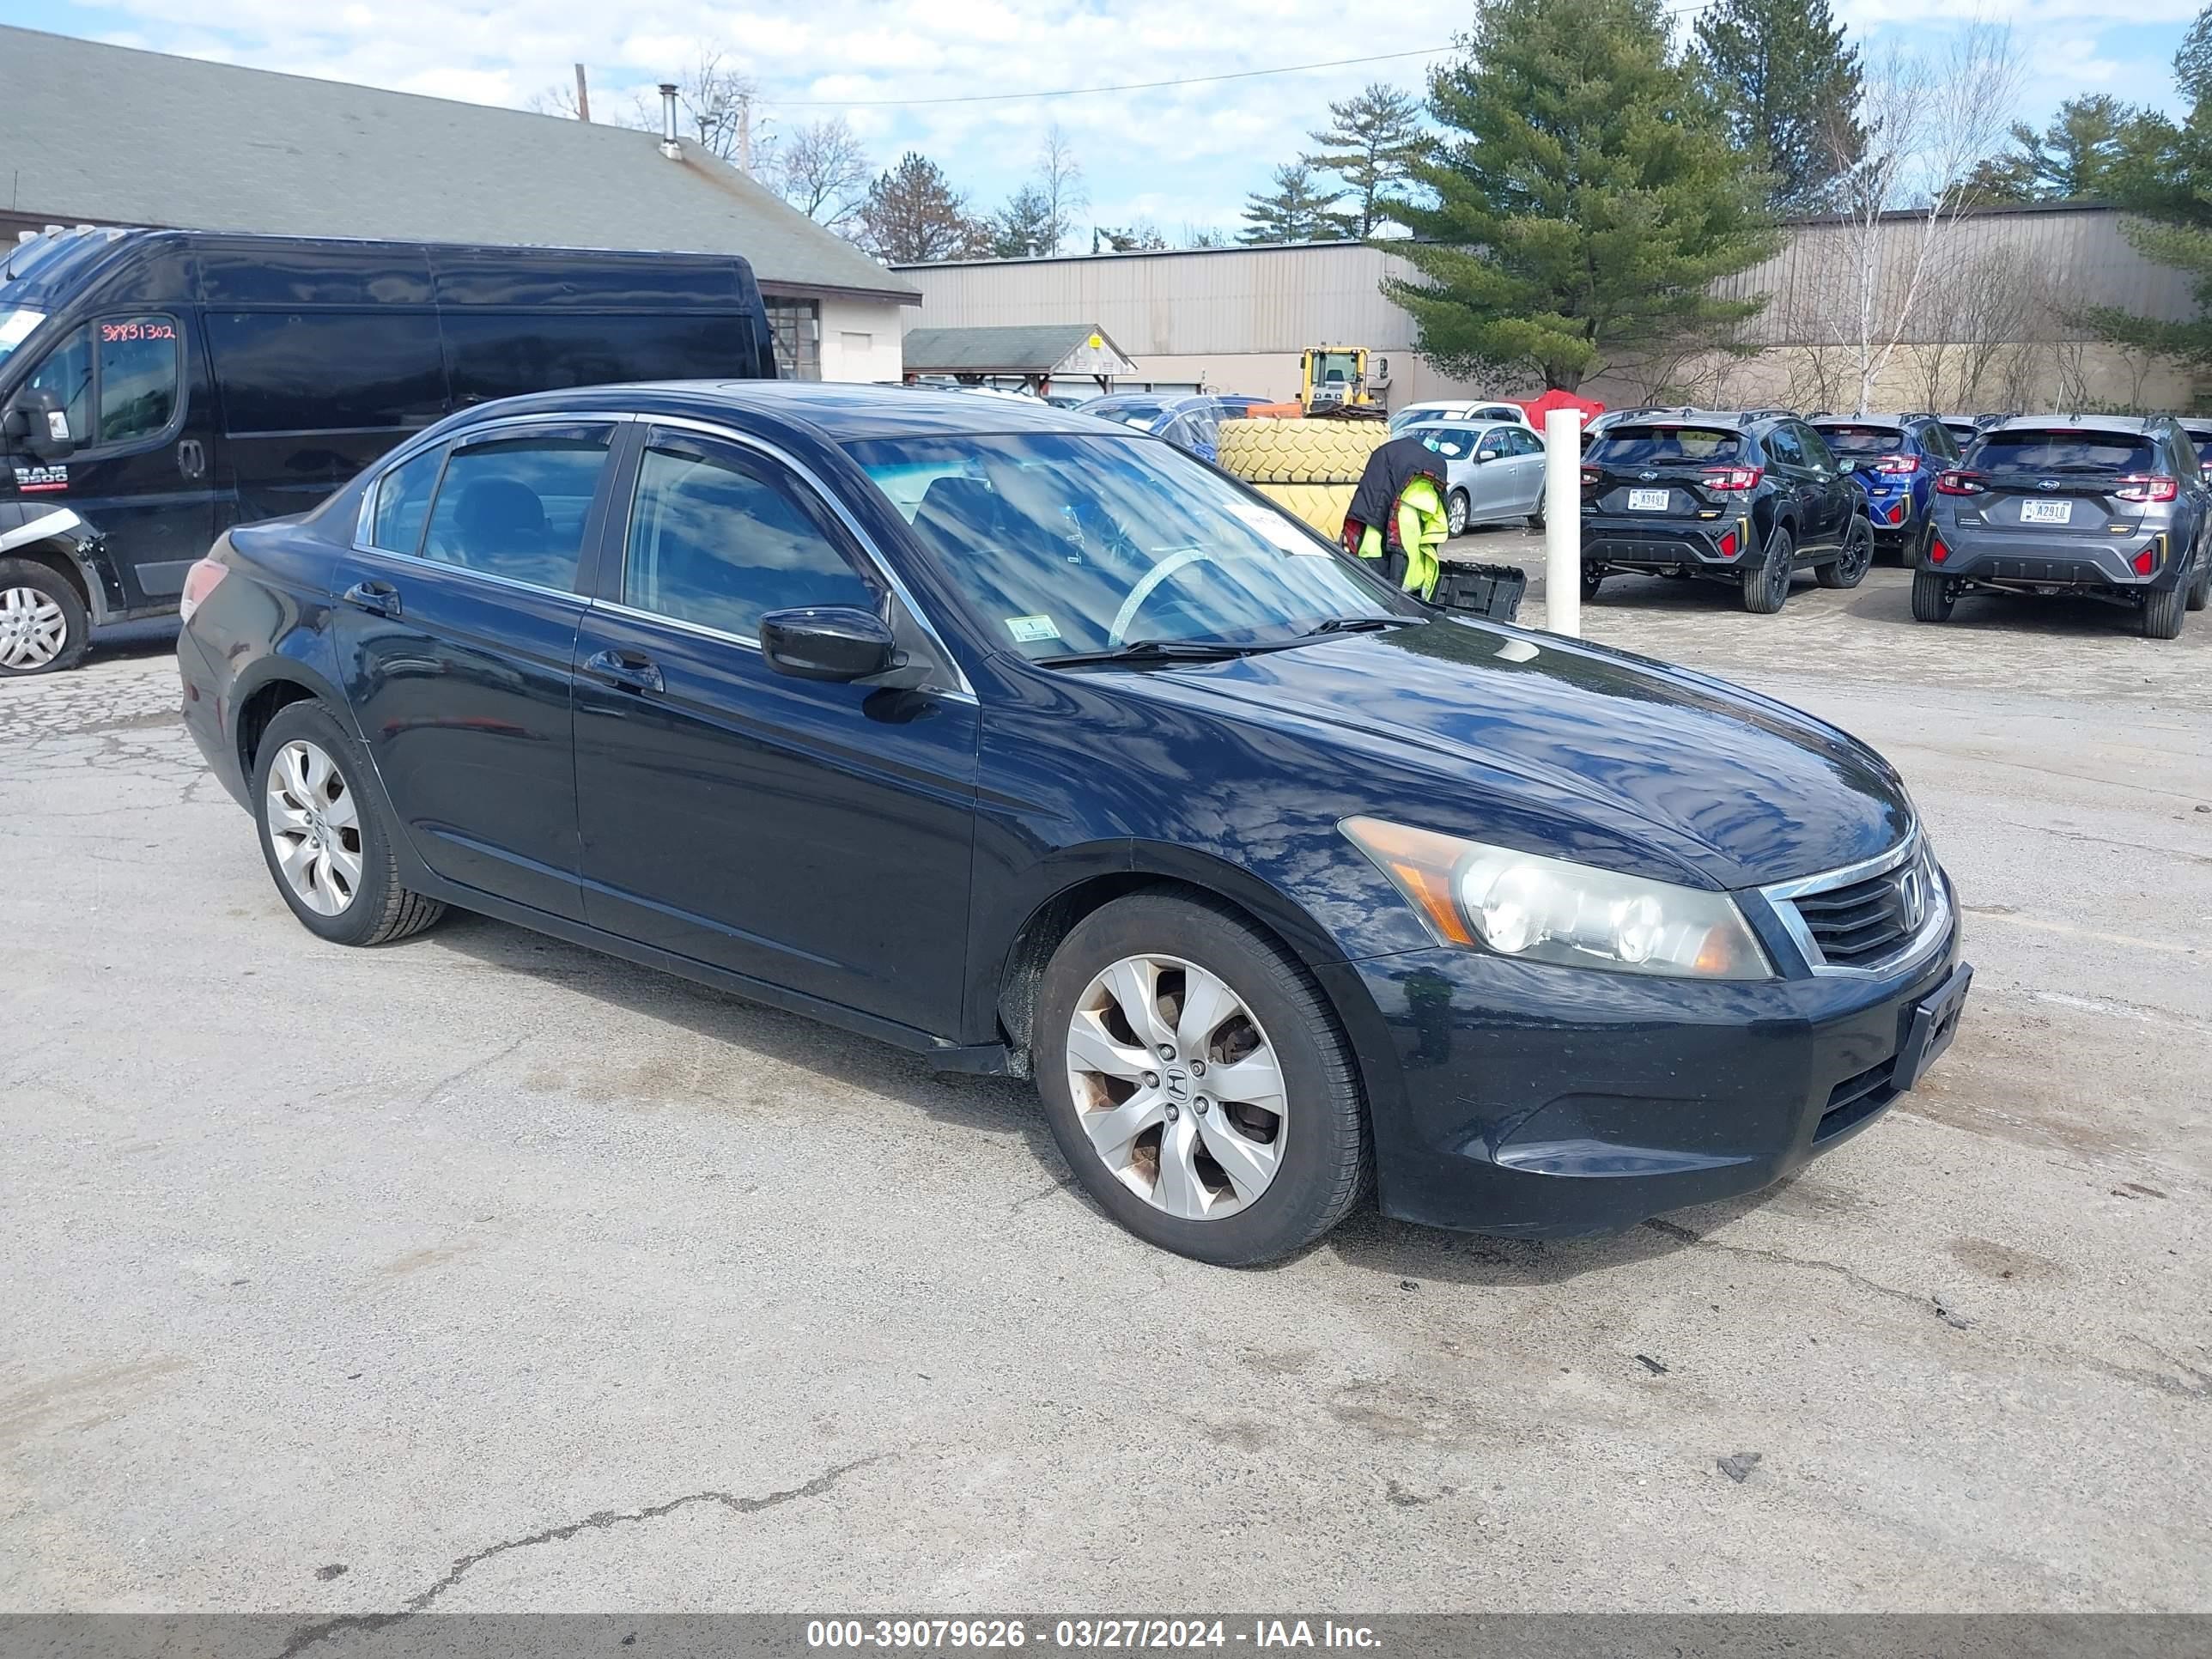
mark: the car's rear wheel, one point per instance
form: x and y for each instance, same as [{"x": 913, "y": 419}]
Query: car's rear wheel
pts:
[
  {"x": 2200, "y": 587},
  {"x": 324, "y": 839},
  {"x": 2161, "y": 613},
  {"x": 1536, "y": 519},
  {"x": 1932, "y": 598},
  {"x": 44, "y": 627},
  {"x": 1849, "y": 567},
  {"x": 1766, "y": 587},
  {"x": 1197, "y": 1082},
  {"x": 1455, "y": 512}
]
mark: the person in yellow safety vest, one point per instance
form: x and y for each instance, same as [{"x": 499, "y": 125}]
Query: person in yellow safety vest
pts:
[{"x": 1397, "y": 515}]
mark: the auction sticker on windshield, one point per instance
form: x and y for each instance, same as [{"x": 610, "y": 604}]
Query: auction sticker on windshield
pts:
[
  {"x": 1276, "y": 529},
  {"x": 1031, "y": 630}
]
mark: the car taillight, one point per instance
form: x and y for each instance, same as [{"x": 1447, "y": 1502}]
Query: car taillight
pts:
[
  {"x": 1960, "y": 483},
  {"x": 1735, "y": 477},
  {"x": 2148, "y": 487},
  {"x": 199, "y": 581},
  {"x": 1590, "y": 476},
  {"x": 1897, "y": 464}
]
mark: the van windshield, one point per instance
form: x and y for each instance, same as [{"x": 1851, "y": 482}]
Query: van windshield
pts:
[{"x": 15, "y": 327}]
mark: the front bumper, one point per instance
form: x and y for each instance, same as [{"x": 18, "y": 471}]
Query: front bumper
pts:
[
  {"x": 1544, "y": 1102},
  {"x": 1654, "y": 543},
  {"x": 2023, "y": 559}
]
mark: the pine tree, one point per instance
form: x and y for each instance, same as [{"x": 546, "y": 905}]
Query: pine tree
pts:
[
  {"x": 1298, "y": 211},
  {"x": 913, "y": 216},
  {"x": 1588, "y": 196},
  {"x": 1023, "y": 227},
  {"x": 2092, "y": 148},
  {"x": 1789, "y": 85},
  {"x": 1369, "y": 144}
]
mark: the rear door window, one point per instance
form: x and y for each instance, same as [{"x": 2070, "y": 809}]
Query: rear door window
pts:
[
  {"x": 402, "y": 502},
  {"x": 1666, "y": 446},
  {"x": 2058, "y": 450},
  {"x": 1782, "y": 447},
  {"x": 515, "y": 507},
  {"x": 1815, "y": 448}
]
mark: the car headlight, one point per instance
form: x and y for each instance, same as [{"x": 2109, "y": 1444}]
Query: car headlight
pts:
[{"x": 1539, "y": 909}]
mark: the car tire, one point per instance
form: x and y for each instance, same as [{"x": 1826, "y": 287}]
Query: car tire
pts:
[
  {"x": 1456, "y": 511},
  {"x": 44, "y": 626},
  {"x": 1536, "y": 519},
  {"x": 1299, "y": 1166},
  {"x": 1767, "y": 587},
  {"x": 1849, "y": 567},
  {"x": 2162, "y": 612},
  {"x": 1931, "y": 597},
  {"x": 324, "y": 838},
  {"x": 2200, "y": 586}
]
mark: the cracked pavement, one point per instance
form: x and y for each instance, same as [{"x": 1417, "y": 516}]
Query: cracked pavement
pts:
[{"x": 484, "y": 1273}]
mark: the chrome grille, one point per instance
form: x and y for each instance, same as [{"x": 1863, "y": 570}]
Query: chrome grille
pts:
[{"x": 1870, "y": 916}]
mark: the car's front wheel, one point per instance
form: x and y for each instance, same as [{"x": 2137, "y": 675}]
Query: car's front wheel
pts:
[
  {"x": 44, "y": 627},
  {"x": 1455, "y": 512},
  {"x": 1849, "y": 567},
  {"x": 325, "y": 840},
  {"x": 1197, "y": 1082}
]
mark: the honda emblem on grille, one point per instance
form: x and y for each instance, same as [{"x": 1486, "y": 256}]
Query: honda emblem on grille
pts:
[
  {"x": 1912, "y": 899},
  {"x": 1647, "y": 477},
  {"x": 2046, "y": 483}
]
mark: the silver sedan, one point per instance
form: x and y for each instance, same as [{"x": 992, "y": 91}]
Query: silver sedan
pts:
[{"x": 1493, "y": 471}]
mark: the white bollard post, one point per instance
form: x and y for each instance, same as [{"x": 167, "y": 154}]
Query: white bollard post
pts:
[{"x": 1563, "y": 522}]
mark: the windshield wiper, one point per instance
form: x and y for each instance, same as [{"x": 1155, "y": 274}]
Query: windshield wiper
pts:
[
  {"x": 1141, "y": 652},
  {"x": 1358, "y": 624}
]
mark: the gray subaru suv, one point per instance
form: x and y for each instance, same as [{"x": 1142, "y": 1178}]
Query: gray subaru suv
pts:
[{"x": 2114, "y": 507}]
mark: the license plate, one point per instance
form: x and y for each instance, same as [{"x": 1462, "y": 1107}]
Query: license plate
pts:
[
  {"x": 1648, "y": 501},
  {"x": 1935, "y": 1022},
  {"x": 2046, "y": 511}
]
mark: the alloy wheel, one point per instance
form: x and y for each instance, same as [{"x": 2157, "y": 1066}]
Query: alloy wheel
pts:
[
  {"x": 314, "y": 828},
  {"x": 32, "y": 630},
  {"x": 1456, "y": 513},
  {"x": 1177, "y": 1087}
]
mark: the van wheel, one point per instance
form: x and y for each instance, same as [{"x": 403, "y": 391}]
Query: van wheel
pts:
[
  {"x": 1456, "y": 513},
  {"x": 325, "y": 840},
  {"x": 1197, "y": 1082},
  {"x": 1931, "y": 597},
  {"x": 1849, "y": 567},
  {"x": 2161, "y": 613},
  {"x": 1768, "y": 586},
  {"x": 44, "y": 626}
]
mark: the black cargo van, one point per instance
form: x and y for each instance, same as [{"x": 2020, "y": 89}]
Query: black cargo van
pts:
[{"x": 157, "y": 386}]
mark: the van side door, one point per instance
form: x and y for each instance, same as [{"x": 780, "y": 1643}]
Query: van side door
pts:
[{"x": 134, "y": 386}]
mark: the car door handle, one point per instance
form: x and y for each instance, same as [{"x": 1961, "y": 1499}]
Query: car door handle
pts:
[
  {"x": 631, "y": 670},
  {"x": 192, "y": 458},
  {"x": 378, "y": 598}
]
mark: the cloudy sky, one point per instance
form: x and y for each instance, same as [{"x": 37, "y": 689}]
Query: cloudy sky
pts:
[{"x": 1179, "y": 156}]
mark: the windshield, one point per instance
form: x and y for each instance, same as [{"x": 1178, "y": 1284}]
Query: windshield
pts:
[
  {"x": 1337, "y": 366},
  {"x": 1063, "y": 544},
  {"x": 1659, "y": 445},
  {"x": 1454, "y": 443},
  {"x": 1862, "y": 439},
  {"x": 2065, "y": 451},
  {"x": 15, "y": 327},
  {"x": 1139, "y": 412}
]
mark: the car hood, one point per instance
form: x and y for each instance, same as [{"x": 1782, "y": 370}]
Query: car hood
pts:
[{"x": 1714, "y": 780}]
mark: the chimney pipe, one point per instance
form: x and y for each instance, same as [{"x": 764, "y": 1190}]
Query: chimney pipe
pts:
[
  {"x": 583, "y": 96},
  {"x": 668, "y": 144}
]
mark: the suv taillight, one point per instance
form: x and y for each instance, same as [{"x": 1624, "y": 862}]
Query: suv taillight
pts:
[
  {"x": 1735, "y": 477},
  {"x": 1897, "y": 464},
  {"x": 2148, "y": 487},
  {"x": 1591, "y": 476},
  {"x": 1960, "y": 483},
  {"x": 199, "y": 581}
]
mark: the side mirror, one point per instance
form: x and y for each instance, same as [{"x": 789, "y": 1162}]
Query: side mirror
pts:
[
  {"x": 36, "y": 421},
  {"x": 828, "y": 642}
]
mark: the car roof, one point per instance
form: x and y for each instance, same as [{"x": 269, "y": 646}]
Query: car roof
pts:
[
  {"x": 2131, "y": 425},
  {"x": 1464, "y": 423},
  {"x": 836, "y": 413}
]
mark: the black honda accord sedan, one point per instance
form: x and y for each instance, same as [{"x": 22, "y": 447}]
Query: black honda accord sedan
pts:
[{"x": 1037, "y": 747}]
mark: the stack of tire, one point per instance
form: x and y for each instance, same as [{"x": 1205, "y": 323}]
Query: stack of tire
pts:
[{"x": 1309, "y": 468}]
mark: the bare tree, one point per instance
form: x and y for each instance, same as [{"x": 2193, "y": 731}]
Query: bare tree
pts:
[
  {"x": 719, "y": 105},
  {"x": 559, "y": 99},
  {"x": 822, "y": 170},
  {"x": 1060, "y": 179},
  {"x": 1923, "y": 124}
]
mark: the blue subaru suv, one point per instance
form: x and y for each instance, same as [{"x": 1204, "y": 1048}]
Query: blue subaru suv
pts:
[{"x": 1897, "y": 457}]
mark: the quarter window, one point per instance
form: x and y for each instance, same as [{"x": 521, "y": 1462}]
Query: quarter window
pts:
[
  {"x": 516, "y": 507},
  {"x": 402, "y": 502},
  {"x": 717, "y": 538},
  {"x": 1782, "y": 444}
]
